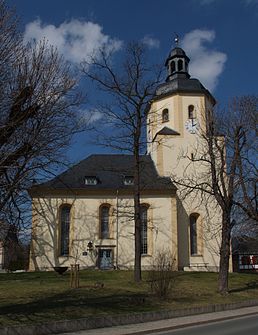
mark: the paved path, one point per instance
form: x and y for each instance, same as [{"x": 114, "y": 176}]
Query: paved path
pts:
[
  {"x": 164, "y": 325},
  {"x": 241, "y": 325}
]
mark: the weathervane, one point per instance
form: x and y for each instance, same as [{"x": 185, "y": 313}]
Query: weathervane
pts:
[{"x": 176, "y": 39}]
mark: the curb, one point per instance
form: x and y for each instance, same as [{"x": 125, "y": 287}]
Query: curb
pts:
[
  {"x": 56, "y": 327},
  {"x": 197, "y": 323}
]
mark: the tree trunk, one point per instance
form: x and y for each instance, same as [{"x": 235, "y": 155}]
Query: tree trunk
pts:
[
  {"x": 137, "y": 207},
  {"x": 137, "y": 258},
  {"x": 224, "y": 254}
]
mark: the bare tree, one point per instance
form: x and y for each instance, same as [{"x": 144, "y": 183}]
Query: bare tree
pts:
[
  {"x": 130, "y": 84},
  {"x": 244, "y": 115},
  {"x": 162, "y": 276},
  {"x": 225, "y": 147},
  {"x": 38, "y": 96}
]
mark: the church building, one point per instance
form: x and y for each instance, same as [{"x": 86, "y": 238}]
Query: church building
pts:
[{"x": 85, "y": 215}]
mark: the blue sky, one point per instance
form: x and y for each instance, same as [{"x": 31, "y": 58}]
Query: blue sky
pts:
[{"x": 220, "y": 36}]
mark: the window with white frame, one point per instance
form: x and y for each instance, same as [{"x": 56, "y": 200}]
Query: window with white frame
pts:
[
  {"x": 128, "y": 180},
  {"x": 91, "y": 180}
]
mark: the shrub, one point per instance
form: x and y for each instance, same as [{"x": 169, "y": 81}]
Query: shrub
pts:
[{"x": 162, "y": 275}]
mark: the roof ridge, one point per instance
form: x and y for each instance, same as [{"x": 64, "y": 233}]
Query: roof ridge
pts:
[{"x": 110, "y": 169}]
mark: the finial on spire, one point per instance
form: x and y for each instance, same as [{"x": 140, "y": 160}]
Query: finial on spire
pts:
[{"x": 176, "y": 39}]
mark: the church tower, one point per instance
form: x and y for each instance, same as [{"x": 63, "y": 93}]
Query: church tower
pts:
[{"x": 176, "y": 117}]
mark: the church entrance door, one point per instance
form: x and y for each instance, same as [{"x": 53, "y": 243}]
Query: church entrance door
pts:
[{"x": 105, "y": 259}]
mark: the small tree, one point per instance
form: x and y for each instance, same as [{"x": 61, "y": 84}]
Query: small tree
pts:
[
  {"x": 130, "y": 84},
  {"x": 161, "y": 277}
]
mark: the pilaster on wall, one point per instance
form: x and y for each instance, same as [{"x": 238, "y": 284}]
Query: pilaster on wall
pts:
[
  {"x": 160, "y": 162},
  {"x": 178, "y": 106},
  {"x": 35, "y": 221},
  {"x": 174, "y": 238},
  {"x": 150, "y": 231}
]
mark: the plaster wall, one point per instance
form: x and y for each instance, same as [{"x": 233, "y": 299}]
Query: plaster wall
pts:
[
  {"x": 173, "y": 155},
  {"x": 84, "y": 227}
]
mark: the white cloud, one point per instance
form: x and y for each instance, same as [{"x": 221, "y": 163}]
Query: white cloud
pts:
[
  {"x": 95, "y": 115},
  {"x": 90, "y": 116},
  {"x": 151, "y": 42},
  {"x": 206, "y": 64},
  {"x": 76, "y": 40}
]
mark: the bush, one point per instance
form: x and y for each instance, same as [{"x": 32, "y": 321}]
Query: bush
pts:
[{"x": 162, "y": 275}]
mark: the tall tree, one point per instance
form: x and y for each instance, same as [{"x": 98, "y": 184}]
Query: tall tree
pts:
[
  {"x": 244, "y": 114},
  {"x": 130, "y": 83},
  {"x": 38, "y": 97},
  {"x": 226, "y": 147}
]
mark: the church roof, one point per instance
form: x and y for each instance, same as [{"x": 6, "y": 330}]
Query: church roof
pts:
[
  {"x": 178, "y": 79},
  {"x": 110, "y": 172},
  {"x": 167, "y": 131},
  {"x": 182, "y": 85},
  {"x": 176, "y": 52}
]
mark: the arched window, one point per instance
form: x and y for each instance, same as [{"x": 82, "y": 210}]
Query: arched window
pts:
[
  {"x": 104, "y": 221},
  {"x": 191, "y": 112},
  {"x": 144, "y": 229},
  {"x": 172, "y": 67},
  {"x": 65, "y": 218},
  {"x": 165, "y": 115},
  {"x": 180, "y": 65},
  {"x": 193, "y": 234}
]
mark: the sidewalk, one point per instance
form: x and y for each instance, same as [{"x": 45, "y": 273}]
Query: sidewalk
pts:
[
  {"x": 137, "y": 323},
  {"x": 169, "y": 324}
]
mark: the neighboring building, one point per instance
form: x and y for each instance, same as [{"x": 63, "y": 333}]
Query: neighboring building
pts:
[
  {"x": 85, "y": 215},
  {"x": 245, "y": 254},
  {"x": 8, "y": 245}
]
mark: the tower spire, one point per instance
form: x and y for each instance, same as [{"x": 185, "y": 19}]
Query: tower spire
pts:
[
  {"x": 177, "y": 62},
  {"x": 176, "y": 40}
]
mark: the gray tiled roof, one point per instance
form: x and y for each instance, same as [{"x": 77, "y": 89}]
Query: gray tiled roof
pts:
[
  {"x": 190, "y": 85},
  {"x": 176, "y": 52},
  {"x": 167, "y": 131},
  {"x": 110, "y": 171}
]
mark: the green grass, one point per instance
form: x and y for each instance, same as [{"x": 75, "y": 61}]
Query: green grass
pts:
[{"x": 43, "y": 296}]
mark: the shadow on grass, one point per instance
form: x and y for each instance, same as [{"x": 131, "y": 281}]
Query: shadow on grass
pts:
[
  {"x": 75, "y": 301},
  {"x": 249, "y": 286},
  {"x": 32, "y": 276}
]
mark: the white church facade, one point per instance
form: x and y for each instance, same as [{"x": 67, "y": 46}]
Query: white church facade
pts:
[{"x": 85, "y": 215}]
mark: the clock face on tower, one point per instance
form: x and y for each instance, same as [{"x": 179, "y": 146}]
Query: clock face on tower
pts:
[{"x": 191, "y": 125}]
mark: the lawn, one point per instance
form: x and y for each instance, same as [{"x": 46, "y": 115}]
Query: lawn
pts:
[{"x": 43, "y": 296}]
